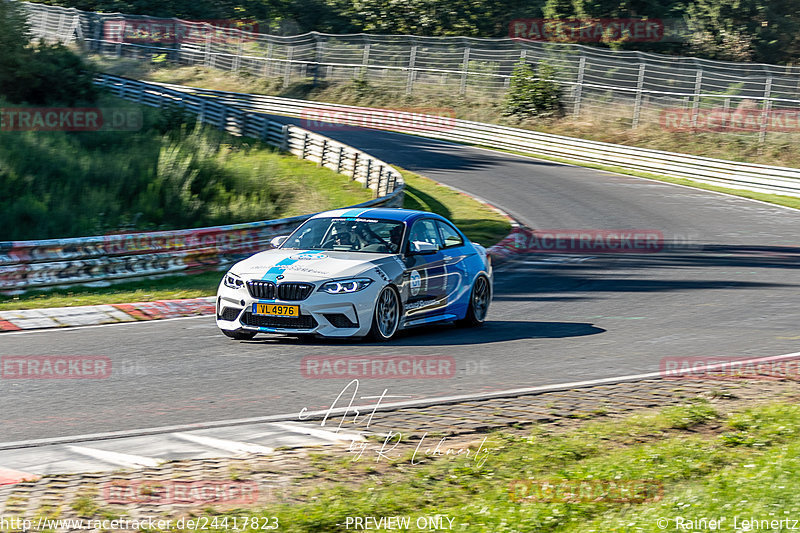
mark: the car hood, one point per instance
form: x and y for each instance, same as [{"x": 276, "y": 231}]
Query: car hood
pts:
[{"x": 311, "y": 265}]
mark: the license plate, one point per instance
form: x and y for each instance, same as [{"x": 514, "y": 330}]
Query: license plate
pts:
[{"x": 276, "y": 309}]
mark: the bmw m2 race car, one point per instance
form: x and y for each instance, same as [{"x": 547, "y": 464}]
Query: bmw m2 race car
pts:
[{"x": 355, "y": 273}]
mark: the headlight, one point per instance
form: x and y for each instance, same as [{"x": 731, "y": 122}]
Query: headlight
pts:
[
  {"x": 233, "y": 281},
  {"x": 345, "y": 286}
]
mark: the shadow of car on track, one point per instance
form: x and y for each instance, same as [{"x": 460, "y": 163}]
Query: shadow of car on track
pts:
[{"x": 449, "y": 335}]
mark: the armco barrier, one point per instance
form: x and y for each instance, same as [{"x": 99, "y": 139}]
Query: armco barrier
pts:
[
  {"x": 731, "y": 174},
  {"x": 344, "y": 159},
  {"x": 102, "y": 259},
  {"x": 30, "y": 264}
]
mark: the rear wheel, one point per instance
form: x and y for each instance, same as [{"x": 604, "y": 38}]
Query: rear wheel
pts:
[
  {"x": 478, "y": 303},
  {"x": 386, "y": 318},
  {"x": 239, "y": 335}
]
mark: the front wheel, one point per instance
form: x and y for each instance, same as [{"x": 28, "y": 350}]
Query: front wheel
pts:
[
  {"x": 386, "y": 318},
  {"x": 478, "y": 303},
  {"x": 239, "y": 335}
]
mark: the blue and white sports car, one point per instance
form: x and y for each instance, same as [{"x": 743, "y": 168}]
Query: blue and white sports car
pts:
[{"x": 358, "y": 272}]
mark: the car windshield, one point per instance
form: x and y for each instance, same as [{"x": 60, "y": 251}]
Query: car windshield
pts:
[{"x": 348, "y": 235}]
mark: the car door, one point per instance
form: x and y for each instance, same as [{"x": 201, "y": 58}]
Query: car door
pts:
[
  {"x": 454, "y": 255},
  {"x": 425, "y": 278}
]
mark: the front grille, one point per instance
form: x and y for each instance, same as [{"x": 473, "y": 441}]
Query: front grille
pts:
[
  {"x": 229, "y": 313},
  {"x": 294, "y": 291},
  {"x": 263, "y": 290},
  {"x": 292, "y": 322},
  {"x": 340, "y": 320}
]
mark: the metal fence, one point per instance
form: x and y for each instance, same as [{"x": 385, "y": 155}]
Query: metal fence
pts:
[
  {"x": 102, "y": 259},
  {"x": 627, "y": 87},
  {"x": 731, "y": 174}
]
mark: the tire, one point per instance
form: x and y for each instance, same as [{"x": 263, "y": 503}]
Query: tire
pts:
[
  {"x": 479, "y": 300},
  {"x": 239, "y": 335},
  {"x": 386, "y": 318}
]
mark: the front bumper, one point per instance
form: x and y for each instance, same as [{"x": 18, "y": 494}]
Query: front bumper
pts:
[{"x": 329, "y": 315}]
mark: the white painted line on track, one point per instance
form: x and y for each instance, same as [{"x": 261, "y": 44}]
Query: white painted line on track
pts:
[
  {"x": 224, "y": 444},
  {"x": 350, "y": 410},
  {"x": 332, "y": 436},
  {"x": 121, "y": 459}
]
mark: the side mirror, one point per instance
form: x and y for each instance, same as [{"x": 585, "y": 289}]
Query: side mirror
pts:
[
  {"x": 423, "y": 248},
  {"x": 277, "y": 241}
]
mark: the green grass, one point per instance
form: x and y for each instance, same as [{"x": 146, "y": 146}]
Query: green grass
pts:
[
  {"x": 746, "y": 465},
  {"x": 168, "y": 174},
  {"x": 480, "y": 224}
]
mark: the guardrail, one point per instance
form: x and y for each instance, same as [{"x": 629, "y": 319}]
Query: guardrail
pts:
[
  {"x": 731, "y": 174},
  {"x": 102, "y": 259}
]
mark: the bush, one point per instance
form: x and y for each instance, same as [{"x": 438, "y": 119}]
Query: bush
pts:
[
  {"x": 40, "y": 74},
  {"x": 533, "y": 94},
  {"x": 173, "y": 118},
  {"x": 51, "y": 74},
  {"x": 61, "y": 184}
]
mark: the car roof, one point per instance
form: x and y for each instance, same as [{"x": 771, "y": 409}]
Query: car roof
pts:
[{"x": 386, "y": 213}]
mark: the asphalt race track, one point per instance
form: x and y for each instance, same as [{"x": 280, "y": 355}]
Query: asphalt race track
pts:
[{"x": 728, "y": 285}]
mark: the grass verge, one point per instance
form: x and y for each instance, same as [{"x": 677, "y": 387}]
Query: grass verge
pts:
[
  {"x": 741, "y": 466},
  {"x": 479, "y": 222}
]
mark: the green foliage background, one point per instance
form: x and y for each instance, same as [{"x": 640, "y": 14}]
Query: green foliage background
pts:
[{"x": 758, "y": 30}]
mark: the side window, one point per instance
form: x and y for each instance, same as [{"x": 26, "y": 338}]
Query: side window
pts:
[
  {"x": 425, "y": 231},
  {"x": 450, "y": 236}
]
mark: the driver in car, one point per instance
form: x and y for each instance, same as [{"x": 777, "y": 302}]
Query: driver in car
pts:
[
  {"x": 395, "y": 236},
  {"x": 417, "y": 235},
  {"x": 348, "y": 235}
]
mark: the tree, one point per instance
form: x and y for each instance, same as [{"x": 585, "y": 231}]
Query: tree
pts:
[
  {"x": 13, "y": 40},
  {"x": 39, "y": 74},
  {"x": 533, "y": 94},
  {"x": 761, "y": 30}
]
